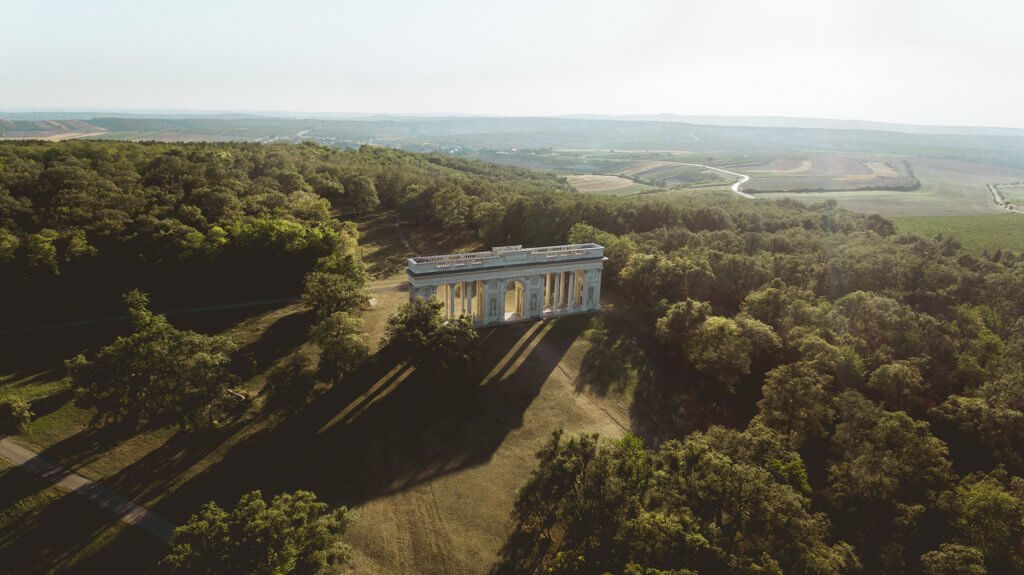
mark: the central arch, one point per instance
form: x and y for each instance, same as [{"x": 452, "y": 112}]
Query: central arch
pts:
[{"x": 515, "y": 292}]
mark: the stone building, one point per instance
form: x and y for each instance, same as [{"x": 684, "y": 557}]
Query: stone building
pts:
[{"x": 511, "y": 283}]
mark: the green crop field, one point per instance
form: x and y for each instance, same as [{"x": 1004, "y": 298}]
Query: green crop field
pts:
[{"x": 977, "y": 233}]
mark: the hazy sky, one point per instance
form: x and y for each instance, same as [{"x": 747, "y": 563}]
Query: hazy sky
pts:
[{"x": 936, "y": 61}]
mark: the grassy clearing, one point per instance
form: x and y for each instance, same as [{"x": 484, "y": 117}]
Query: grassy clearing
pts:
[{"x": 977, "y": 233}]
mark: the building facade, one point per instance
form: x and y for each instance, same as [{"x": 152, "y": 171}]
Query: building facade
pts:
[{"x": 511, "y": 283}]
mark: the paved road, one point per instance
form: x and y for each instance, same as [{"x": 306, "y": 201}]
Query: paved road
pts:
[
  {"x": 743, "y": 178},
  {"x": 68, "y": 480}
]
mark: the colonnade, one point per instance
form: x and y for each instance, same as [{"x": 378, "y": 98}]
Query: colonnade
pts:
[
  {"x": 511, "y": 283},
  {"x": 563, "y": 290},
  {"x": 460, "y": 298}
]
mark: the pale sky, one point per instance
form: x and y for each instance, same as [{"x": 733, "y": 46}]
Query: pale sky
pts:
[{"x": 927, "y": 62}]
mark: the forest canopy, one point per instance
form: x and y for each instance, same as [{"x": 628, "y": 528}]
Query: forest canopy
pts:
[{"x": 839, "y": 397}]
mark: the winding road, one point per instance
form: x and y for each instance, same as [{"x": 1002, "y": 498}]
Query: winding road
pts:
[{"x": 743, "y": 178}]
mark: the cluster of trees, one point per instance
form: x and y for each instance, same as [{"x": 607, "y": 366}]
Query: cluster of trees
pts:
[
  {"x": 888, "y": 430},
  {"x": 158, "y": 374},
  {"x": 82, "y": 220}
]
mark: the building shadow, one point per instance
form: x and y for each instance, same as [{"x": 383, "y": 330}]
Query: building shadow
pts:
[{"x": 389, "y": 426}]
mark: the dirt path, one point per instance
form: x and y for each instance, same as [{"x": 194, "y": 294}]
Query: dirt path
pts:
[
  {"x": 999, "y": 200},
  {"x": 68, "y": 480}
]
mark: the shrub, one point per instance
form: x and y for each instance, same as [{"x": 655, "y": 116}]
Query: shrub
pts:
[{"x": 14, "y": 414}]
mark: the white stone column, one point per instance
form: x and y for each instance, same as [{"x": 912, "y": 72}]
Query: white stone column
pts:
[
  {"x": 558, "y": 290},
  {"x": 451, "y": 300},
  {"x": 547, "y": 291},
  {"x": 572, "y": 291},
  {"x": 549, "y": 284}
]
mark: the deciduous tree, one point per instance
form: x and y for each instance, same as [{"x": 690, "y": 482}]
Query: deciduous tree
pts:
[{"x": 294, "y": 533}]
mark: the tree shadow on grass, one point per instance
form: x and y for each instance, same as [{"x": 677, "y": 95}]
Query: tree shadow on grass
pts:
[
  {"x": 389, "y": 426},
  {"x": 45, "y": 533},
  {"x": 390, "y": 255},
  {"x": 522, "y": 552},
  {"x": 85, "y": 446},
  {"x": 383, "y": 429},
  {"x": 280, "y": 339},
  {"x": 613, "y": 361},
  {"x": 50, "y": 403}
]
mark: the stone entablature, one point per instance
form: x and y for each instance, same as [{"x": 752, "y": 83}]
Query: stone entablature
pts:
[{"x": 542, "y": 281}]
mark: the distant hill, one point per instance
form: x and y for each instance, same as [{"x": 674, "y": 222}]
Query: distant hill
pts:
[
  {"x": 811, "y": 123},
  {"x": 464, "y": 135}
]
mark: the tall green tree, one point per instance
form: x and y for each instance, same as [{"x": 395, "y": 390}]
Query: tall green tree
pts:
[
  {"x": 451, "y": 207},
  {"x": 342, "y": 343},
  {"x": 157, "y": 374},
  {"x": 796, "y": 402},
  {"x": 293, "y": 534},
  {"x": 362, "y": 194},
  {"x": 418, "y": 332}
]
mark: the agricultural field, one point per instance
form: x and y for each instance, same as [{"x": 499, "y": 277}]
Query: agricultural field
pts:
[
  {"x": 825, "y": 172},
  {"x": 948, "y": 187},
  {"x": 674, "y": 174},
  {"x": 49, "y": 130},
  {"x": 602, "y": 184},
  {"x": 978, "y": 233}
]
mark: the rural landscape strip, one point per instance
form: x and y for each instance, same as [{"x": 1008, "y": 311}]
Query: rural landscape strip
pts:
[{"x": 62, "y": 477}]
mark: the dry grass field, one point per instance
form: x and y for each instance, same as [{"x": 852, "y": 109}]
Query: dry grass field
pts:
[
  {"x": 825, "y": 172},
  {"x": 603, "y": 184}
]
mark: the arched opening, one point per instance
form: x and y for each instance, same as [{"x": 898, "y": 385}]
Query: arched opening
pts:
[{"x": 514, "y": 294}]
